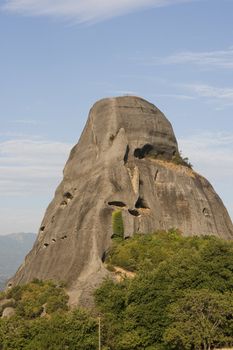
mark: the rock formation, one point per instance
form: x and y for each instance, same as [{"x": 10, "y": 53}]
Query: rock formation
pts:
[{"x": 123, "y": 160}]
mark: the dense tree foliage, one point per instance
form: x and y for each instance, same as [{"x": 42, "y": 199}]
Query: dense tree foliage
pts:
[
  {"x": 70, "y": 330},
  {"x": 181, "y": 297},
  {"x": 42, "y": 320},
  {"x": 34, "y": 298},
  {"x": 179, "y": 280}
]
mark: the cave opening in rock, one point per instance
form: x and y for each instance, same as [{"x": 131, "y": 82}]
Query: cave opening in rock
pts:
[
  {"x": 117, "y": 204},
  {"x": 141, "y": 153},
  {"x": 68, "y": 195},
  {"x": 63, "y": 204},
  {"x": 156, "y": 175},
  {"x": 64, "y": 237},
  {"x": 134, "y": 212},
  {"x": 46, "y": 245},
  {"x": 42, "y": 228},
  {"x": 104, "y": 256},
  {"x": 205, "y": 212},
  {"x": 126, "y": 154},
  {"x": 54, "y": 240},
  {"x": 141, "y": 204}
]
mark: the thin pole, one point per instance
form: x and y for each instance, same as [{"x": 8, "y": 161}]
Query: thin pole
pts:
[{"x": 99, "y": 333}]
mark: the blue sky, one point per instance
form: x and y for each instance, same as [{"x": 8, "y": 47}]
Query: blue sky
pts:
[{"x": 57, "y": 57}]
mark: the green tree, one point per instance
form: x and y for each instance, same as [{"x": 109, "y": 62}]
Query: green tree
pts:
[{"x": 199, "y": 320}]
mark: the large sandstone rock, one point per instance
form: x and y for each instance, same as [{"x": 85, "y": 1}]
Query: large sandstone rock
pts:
[{"x": 114, "y": 166}]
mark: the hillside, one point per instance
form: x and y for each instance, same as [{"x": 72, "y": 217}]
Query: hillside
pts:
[
  {"x": 176, "y": 293},
  {"x": 13, "y": 248}
]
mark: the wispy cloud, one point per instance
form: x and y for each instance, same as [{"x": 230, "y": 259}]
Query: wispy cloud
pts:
[
  {"x": 209, "y": 91},
  {"x": 31, "y": 122},
  {"x": 204, "y": 59},
  {"x": 29, "y": 166},
  {"x": 124, "y": 93},
  {"x": 176, "y": 96},
  {"x": 84, "y": 10}
]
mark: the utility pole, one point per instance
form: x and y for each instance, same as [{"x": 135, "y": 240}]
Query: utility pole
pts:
[{"x": 99, "y": 332}]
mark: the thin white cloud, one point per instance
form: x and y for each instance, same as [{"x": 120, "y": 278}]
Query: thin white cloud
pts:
[
  {"x": 211, "y": 155},
  {"x": 209, "y": 91},
  {"x": 124, "y": 93},
  {"x": 31, "y": 166},
  {"x": 84, "y": 10},
  {"x": 176, "y": 96},
  {"x": 31, "y": 122},
  {"x": 205, "y": 59}
]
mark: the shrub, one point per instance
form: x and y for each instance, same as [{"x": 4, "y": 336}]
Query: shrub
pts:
[
  {"x": 117, "y": 224},
  {"x": 180, "y": 160}
]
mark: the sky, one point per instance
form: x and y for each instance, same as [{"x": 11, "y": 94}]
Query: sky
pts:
[{"x": 57, "y": 57}]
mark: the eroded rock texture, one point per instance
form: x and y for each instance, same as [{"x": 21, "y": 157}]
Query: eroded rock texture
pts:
[{"x": 113, "y": 166}]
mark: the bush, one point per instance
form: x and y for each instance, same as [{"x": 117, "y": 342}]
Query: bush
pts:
[
  {"x": 180, "y": 160},
  {"x": 117, "y": 224}
]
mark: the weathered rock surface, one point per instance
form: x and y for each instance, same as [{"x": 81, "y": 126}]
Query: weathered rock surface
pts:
[
  {"x": 8, "y": 312},
  {"x": 111, "y": 167}
]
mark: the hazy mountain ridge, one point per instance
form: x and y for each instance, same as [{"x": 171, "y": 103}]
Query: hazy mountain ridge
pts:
[{"x": 13, "y": 248}]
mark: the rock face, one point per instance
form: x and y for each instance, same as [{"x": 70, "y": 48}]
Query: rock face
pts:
[{"x": 122, "y": 161}]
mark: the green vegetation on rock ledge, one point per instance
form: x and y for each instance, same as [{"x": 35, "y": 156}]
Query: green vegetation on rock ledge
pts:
[
  {"x": 180, "y": 298},
  {"x": 177, "y": 159},
  {"x": 117, "y": 224}
]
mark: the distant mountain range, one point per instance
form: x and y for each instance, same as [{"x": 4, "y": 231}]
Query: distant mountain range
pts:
[{"x": 13, "y": 249}]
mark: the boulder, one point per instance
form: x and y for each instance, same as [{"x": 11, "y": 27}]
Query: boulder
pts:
[{"x": 123, "y": 161}]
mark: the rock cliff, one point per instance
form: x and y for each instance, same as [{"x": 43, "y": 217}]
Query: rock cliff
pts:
[{"x": 123, "y": 160}]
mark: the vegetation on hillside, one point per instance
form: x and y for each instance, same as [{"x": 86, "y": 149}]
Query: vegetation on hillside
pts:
[
  {"x": 42, "y": 320},
  {"x": 180, "y": 298}
]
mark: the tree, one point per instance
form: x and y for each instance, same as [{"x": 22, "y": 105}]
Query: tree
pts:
[{"x": 200, "y": 320}]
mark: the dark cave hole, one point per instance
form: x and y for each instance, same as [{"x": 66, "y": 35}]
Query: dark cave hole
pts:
[
  {"x": 54, "y": 240},
  {"x": 68, "y": 195},
  {"x": 134, "y": 212},
  {"x": 42, "y": 228},
  {"x": 104, "y": 256},
  {"x": 141, "y": 204},
  {"x": 117, "y": 204},
  {"x": 206, "y": 213},
  {"x": 63, "y": 237},
  {"x": 140, "y": 153},
  {"x": 46, "y": 245},
  {"x": 156, "y": 175},
  {"x": 126, "y": 154}
]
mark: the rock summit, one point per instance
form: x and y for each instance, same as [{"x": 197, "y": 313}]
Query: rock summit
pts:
[{"x": 126, "y": 159}]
